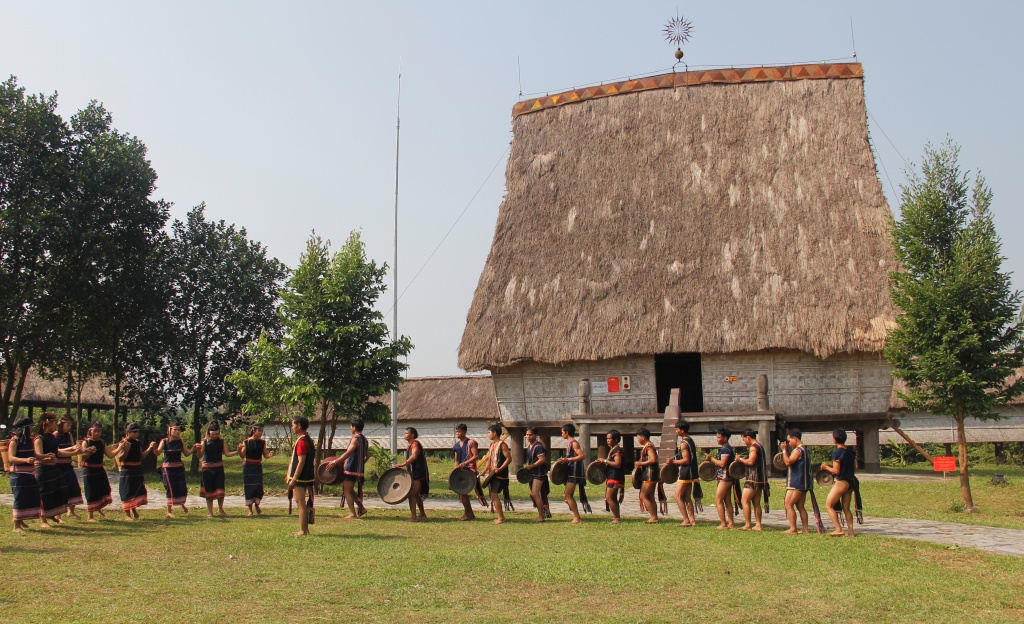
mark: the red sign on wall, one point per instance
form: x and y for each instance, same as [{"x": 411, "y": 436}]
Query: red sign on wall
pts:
[
  {"x": 613, "y": 384},
  {"x": 946, "y": 463}
]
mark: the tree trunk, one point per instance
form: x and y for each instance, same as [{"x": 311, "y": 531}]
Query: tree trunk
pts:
[
  {"x": 917, "y": 447},
  {"x": 965, "y": 477},
  {"x": 323, "y": 430},
  {"x": 196, "y": 427},
  {"x": 117, "y": 406}
]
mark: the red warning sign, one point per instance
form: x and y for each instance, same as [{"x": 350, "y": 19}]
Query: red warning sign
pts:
[
  {"x": 945, "y": 463},
  {"x": 613, "y": 384}
]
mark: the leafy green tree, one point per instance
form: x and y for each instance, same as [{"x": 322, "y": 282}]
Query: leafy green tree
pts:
[
  {"x": 335, "y": 353},
  {"x": 33, "y": 181},
  {"x": 223, "y": 295},
  {"x": 107, "y": 292},
  {"x": 958, "y": 340}
]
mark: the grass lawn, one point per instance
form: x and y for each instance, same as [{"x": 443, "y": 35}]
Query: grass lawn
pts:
[{"x": 385, "y": 569}]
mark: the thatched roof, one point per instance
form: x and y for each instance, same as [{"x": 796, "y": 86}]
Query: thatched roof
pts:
[
  {"x": 896, "y": 404},
  {"x": 39, "y": 390},
  {"x": 455, "y": 398},
  {"x": 711, "y": 212}
]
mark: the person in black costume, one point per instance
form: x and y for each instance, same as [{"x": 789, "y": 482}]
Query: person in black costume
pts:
[{"x": 416, "y": 463}]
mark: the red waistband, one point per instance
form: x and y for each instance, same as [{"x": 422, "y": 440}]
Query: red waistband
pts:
[
  {"x": 173, "y": 465},
  {"x": 213, "y": 465},
  {"x": 253, "y": 461},
  {"x": 23, "y": 468},
  {"x": 64, "y": 460},
  {"x": 131, "y": 464},
  {"x": 93, "y": 465}
]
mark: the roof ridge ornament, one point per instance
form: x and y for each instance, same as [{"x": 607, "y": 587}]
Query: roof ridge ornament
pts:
[{"x": 678, "y": 31}]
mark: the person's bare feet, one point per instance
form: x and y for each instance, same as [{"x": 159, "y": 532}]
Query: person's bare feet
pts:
[
  {"x": 538, "y": 519},
  {"x": 617, "y": 521},
  {"x": 135, "y": 513},
  {"x": 790, "y": 532},
  {"x": 74, "y": 515},
  {"x": 745, "y": 527},
  {"x": 576, "y": 521},
  {"x": 102, "y": 515},
  {"x": 499, "y": 521},
  {"x": 350, "y": 517},
  {"x": 758, "y": 528},
  {"x": 222, "y": 514},
  {"x": 184, "y": 509},
  {"x": 413, "y": 519},
  {"x": 297, "y": 533},
  {"x": 91, "y": 520},
  {"x": 651, "y": 521},
  {"x": 837, "y": 534},
  {"x": 170, "y": 515},
  {"x": 249, "y": 514},
  {"x": 259, "y": 512},
  {"x": 209, "y": 516}
]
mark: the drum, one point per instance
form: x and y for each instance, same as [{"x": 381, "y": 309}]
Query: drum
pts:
[
  {"x": 524, "y": 476},
  {"x": 737, "y": 470},
  {"x": 669, "y": 473},
  {"x": 485, "y": 479},
  {"x": 637, "y": 480},
  {"x": 778, "y": 463},
  {"x": 559, "y": 473},
  {"x": 394, "y": 486},
  {"x": 706, "y": 471},
  {"x": 824, "y": 478},
  {"x": 462, "y": 481},
  {"x": 327, "y": 474},
  {"x": 597, "y": 473}
]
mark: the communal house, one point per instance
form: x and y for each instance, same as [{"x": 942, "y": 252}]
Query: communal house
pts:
[{"x": 723, "y": 233}]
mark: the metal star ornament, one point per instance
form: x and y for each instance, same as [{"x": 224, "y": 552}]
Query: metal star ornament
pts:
[{"x": 678, "y": 31}]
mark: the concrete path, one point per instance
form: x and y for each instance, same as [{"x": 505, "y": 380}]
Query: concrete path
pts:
[{"x": 990, "y": 539}]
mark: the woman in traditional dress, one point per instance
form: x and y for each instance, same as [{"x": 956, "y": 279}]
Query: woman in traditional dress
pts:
[
  {"x": 53, "y": 491},
  {"x": 253, "y": 450},
  {"x": 132, "y": 483},
  {"x": 23, "y": 474},
  {"x": 215, "y": 449},
  {"x": 172, "y": 470},
  {"x": 94, "y": 473},
  {"x": 66, "y": 442}
]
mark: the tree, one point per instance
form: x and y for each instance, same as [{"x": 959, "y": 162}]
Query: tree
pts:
[
  {"x": 335, "y": 353},
  {"x": 223, "y": 295},
  {"x": 33, "y": 181},
  {"x": 107, "y": 295},
  {"x": 957, "y": 343}
]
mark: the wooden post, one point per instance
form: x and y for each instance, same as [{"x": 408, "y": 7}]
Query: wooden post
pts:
[
  {"x": 628, "y": 453},
  {"x": 872, "y": 455},
  {"x": 602, "y": 446},
  {"x": 515, "y": 445},
  {"x": 546, "y": 441},
  {"x": 762, "y": 394},
  {"x": 585, "y": 442}
]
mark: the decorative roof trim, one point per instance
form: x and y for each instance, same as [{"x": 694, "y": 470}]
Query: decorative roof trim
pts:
[{"x": 691, "y": 79}]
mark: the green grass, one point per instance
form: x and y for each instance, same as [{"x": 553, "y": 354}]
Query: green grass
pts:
[{"x": 382, "y": 569}]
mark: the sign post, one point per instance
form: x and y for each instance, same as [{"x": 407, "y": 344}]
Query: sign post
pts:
[{"x": 944, "y": 464}]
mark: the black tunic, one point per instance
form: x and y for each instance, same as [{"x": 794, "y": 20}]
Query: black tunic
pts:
[{"x": 53, "y": 491}]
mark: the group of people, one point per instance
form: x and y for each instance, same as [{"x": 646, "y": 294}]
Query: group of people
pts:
[{"x": 45, "y": 484}]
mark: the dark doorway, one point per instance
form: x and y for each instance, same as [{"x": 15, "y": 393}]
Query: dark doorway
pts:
[{"x": 679, "y": 370}]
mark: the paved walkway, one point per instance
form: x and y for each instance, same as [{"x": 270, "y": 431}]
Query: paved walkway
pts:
[{"x": 990, "y": 539}]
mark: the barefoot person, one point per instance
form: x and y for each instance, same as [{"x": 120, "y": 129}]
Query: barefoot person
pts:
[
  {"x": 353, "y": 462},
  {"x": 416, "y": 463},
  {"x": 94, "y": 474},
  {"x": 844, "y": 462},
  {"x": 22, "y": 464},
  {"x": 215, "y": 449},
  {"x": 756, "y": 480},
  {"x": 723, "y": 494},
  {"x": 466, "y": 455},
  {"x": 537, "y": 464},
  {"x": 686, "y": 459},
  {"x": 301, "y": 472},
  {"x": 614, "y": 481},
  {"x": 66, "y": 442},
  {"x": 132, "y": 483},
  {"x": 172, "y": 469},
  {"x": 498, "y": 458},
  {"x": 574, "y": 458},
  {"x": 649, "y": 475},
  {"x": 53, "y": 491},
  {"x": 798, "y": 479},
  {"x": 253, "y": 451}
]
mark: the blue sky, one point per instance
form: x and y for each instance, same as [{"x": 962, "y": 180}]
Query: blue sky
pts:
[{"x": 281, "y": 116}]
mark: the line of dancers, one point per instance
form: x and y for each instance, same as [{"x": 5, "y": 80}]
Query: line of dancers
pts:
[{"x": 45, "y": 485}]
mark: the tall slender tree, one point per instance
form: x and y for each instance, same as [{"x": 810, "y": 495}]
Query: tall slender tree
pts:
[
  {"x": 957, "y": 343},
  {"x": 223, "y": 295},
  {"x": 335, "y": 353}
]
